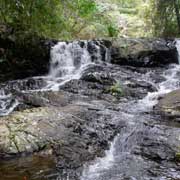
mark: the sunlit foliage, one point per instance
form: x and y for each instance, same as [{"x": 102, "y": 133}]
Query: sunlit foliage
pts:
[
  {"x": 52, "y": 18},
  {"x": 73, "y": 19}
]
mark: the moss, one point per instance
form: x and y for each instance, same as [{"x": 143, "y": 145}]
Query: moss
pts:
[
  {"x": 116, "y": 90},
  {"x": 177, "y": 156}
]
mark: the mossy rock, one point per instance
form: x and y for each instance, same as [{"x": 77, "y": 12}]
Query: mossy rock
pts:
[{"x": 169, "y": 105}]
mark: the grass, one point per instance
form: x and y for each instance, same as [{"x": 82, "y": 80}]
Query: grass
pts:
[{"x": 116, "y": 90}]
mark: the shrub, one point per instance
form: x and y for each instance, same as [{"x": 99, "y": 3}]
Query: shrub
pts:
[
  {"x": 116, "y": 90},
  {"x": 112, "y": 30}
]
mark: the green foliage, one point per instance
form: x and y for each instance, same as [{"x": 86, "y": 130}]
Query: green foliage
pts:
[
  {"x": 86, "y": 7},
  {"x": 32, "y": 17},
  {"x": 70, "y": 19},
  {"x": 49, "y": 18},
  {"x": 116, "y": 90},
  {"x": 128, "y": 10},
  {"x": 112, "y": 30},
  {"x": 77, "y": 15},
  {"x": 177, "y": 156},
  {"x": 163, "y": 17},
  {"x": 128, "y": 3}
]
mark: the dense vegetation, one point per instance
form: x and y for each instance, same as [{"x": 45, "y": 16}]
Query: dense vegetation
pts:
[
  {"x": 165, "y": 17},
  {"x": 67, "y": 19},
  {"x": 52, "y": 18}
]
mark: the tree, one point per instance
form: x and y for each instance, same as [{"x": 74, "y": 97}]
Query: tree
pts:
[
  {"x": 49, "y": 18},
  {"x": 176, "y": 7},
  {"x": 77, "y": 15},
  {"x": 165, "y": 17},
  {"x": 27, "y": 16}
]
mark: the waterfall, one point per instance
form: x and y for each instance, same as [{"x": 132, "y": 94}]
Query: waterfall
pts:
[
  {"x": 119, "y": 161},
  {"x": 178, "y": 49},
  {"x": 69, "y": 60},
  {"x": 7, "y": 103}
]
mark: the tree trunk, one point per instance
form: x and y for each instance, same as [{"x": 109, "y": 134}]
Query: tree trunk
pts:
[{"x": 176, "y": 6}]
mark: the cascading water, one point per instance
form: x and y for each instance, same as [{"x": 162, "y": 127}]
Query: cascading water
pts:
[
  {"x": 171, "y": 83},
  {"x": 7, "y": 103},
  {"x": 178, "y": 48},
  {"x": 123, "y": 162},
  {"x": 68, "y": 61}
]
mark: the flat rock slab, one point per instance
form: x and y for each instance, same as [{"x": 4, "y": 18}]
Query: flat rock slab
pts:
[
  {"x": 30, "y": 130},
  {"x": 75, "y": 132}
]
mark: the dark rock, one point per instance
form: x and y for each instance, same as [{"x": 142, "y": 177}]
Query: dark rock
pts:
[
  {"x": 143, "y": 52},
  {"x": 99, "y": 77},
  {"x": 157, "y": 151},
  {"x": 30, "y": 56},
  {"x": 99, "y": 46},
  {"x": 24, "y": 58},
  {"x": 42, "y": 99},
  {"x": 23, "y": 85},
  {"x": 77, "y": 132},
  {"x": 141, "y": 84}
]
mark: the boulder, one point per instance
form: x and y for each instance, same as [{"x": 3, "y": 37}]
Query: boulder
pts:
[
  {"x": 169, "y": 105},
  {"x": 143, "y": 52},
  {"x": 42, "y": 99},
  {"x": 134, "y": 52},
  {"x": 76, "y": 131},
  {"x": 99, "y": 77}
]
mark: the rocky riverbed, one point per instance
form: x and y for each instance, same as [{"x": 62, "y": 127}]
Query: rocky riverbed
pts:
[{"x": 61, "y": 132}]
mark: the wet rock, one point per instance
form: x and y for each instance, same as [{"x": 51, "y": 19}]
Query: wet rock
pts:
[
  {"x": 99, "y": 77},
  {"x": 136, "y": 89},
  {"x": 169, "y": 105},
  {"x": 143, "y": 52},
  {"x": 141, "y": 84},
  {"x": 103, "y": 46},
  {"x": 60, "y": 98},
  {"x": 76, "y": 131},
  {"x": 22, "y": 60},
  {"x": 22, "y": 85},
  {"x": 43, "y": 99},
  {"x": 157, "y": 151}
]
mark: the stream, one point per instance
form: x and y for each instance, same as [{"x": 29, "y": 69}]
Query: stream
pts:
[
  {"x": 138, "y": 151},
  {"x": 122, "y": 161}
]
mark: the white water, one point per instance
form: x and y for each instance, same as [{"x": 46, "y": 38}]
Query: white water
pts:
[
  {"x": 118, "y": 160},
  {"x": 7, "y": 103},
  {"x": 68, "y": 61},
  {"x": 172, "y": 82},
  {"x": 100, "y": 164},
  {"x": 178, "y": 48}
]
